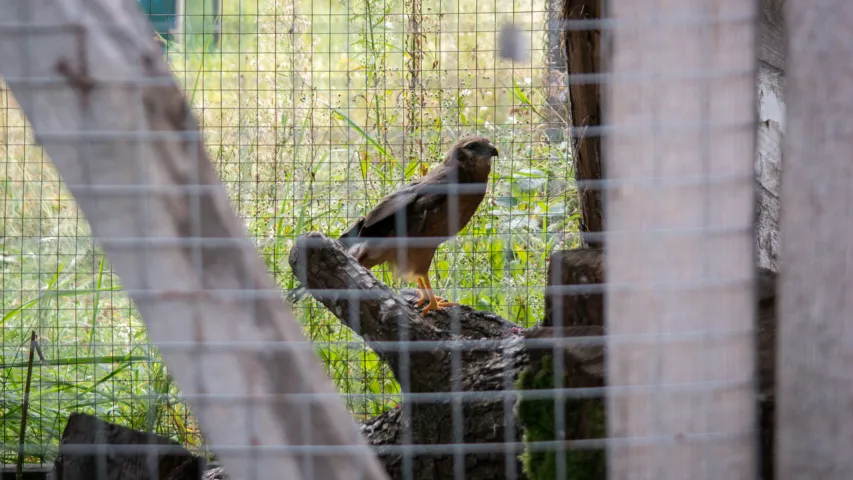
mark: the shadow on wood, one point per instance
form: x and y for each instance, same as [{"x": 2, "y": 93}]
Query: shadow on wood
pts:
[{"x": 92, "y": 448}]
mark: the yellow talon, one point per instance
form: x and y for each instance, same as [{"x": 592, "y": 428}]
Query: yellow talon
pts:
[
  {"x": 422, "y": 295},
  {"x": 435, "y": 303},
  {"x": 432, "y": 305}
]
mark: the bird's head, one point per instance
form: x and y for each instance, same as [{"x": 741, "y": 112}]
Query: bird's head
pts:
[
  {"x": 474, "y": 153},
  {"x": 478, "y": 147}
]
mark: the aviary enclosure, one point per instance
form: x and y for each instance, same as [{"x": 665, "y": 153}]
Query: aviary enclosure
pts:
[{"x": 311, "y": 113}]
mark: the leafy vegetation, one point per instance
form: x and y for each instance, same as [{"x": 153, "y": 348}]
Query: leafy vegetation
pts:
[
  {"x": 537, "y": 419},
  {"x": 310, "y": 115}
]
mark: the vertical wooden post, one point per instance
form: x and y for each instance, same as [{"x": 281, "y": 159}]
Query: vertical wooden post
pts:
[
  {"x": 583, "y": 49},
  {"x": 815, "y": 376},
  {"x": 680, "y": 257}
]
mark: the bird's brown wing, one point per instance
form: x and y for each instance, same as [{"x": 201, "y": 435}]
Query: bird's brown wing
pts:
[
  {"x": 374, "y": 223},
  {"x": 425, "y": 211},
  {"x": 398, "y": 201},
  {"x": 415, "y": 201}
]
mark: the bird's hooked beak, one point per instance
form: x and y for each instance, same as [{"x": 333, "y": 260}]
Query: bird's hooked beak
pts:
[{"x": 495, "y": 152}]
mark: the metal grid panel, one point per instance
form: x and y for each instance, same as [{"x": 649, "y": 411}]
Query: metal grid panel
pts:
[{"x": 311, "y": 112}]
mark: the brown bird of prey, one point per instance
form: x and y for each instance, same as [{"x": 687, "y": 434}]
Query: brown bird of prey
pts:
[
  {"x": 426, "y": 212},
  {"x": 406, "y": 228}
]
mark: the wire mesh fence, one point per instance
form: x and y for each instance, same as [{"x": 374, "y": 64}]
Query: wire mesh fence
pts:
[
  {"x": 316, "y": 116},
  {"x": 312, "y": 112}
]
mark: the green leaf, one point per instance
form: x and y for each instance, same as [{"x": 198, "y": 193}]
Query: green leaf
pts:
[
  {"x": 443, "y": 267},
  {"x": 507, "y": 201},
  {"x": 520, "y": 223},
  {"x": 372, "y": 141},
  {"x": 519, "y": 94},
  {"x": 364, "y": 165},
  {"x": 530, "y": 180},
  {"x": 556, "y": 210},
  {"x": 522, "y": 97},
  {"x": 411, "y": 168}
]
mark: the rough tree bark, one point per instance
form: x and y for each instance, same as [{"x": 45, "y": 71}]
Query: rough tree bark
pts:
[
  {"x": 352, "y": 293},
  {"x": 582, "y": 48},
  {"x": 771, "y": 113},
  {"x": 575, "y": 283},
  {"x": 383, "y": 316}
]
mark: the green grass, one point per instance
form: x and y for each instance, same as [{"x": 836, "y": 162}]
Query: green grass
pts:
[{"x": 305, "y": 108}]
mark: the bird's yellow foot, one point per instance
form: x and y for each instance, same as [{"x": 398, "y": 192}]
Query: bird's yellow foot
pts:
[
  {"x": 432, "y": 305},
  {"x": 437, "y": 303},
  {"x": 422, "y": 297},
  {"x": 423, "y": 293}
]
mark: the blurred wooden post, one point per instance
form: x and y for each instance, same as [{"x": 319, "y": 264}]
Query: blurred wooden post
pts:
[
  {"x": 679, "y": 240},
  {"x": 815, "y": 378}
]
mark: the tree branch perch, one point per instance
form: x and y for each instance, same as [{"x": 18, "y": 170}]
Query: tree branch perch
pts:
[
  {"x": 377, "y": 313},
  {"x": 380, "y": 314}
]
